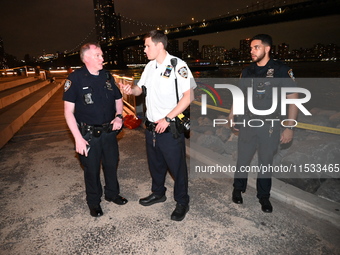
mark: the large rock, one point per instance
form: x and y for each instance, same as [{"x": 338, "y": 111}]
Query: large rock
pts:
[
  {"x": 322, "y": 149},
  {"x": 309, "y": 185},
  {"x": 327, "y": 113},
  {"x": 335, "y": 119},
  {"x": 204, "y": 121},
  {"x": 315, "y": 111},
  {"x": 211, "y": 142},
  {"x": 223, "y": 133},
  {"x": 231, "y": 147},
  {"x": 203, "y": 129},
  {"x": 330, "y": 189}
]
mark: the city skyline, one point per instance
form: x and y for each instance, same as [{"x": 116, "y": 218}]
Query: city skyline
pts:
[
  {"x": 68, "y": 30},
  {"x": 201, "y": 46},
  {"x": 192, "y": 52}
]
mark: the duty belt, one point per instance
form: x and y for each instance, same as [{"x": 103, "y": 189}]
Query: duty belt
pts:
[
  {"x": 151, "y": 126},
  {"x": 95, "y": 130}
]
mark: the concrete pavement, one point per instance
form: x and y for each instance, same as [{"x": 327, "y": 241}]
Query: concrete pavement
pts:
[{"x": 43, "y": 209}]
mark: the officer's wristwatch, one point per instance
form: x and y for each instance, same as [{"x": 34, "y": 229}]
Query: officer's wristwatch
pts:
[
  {"x": 167, "y": 119},
  {"x": 119, "y": 116}
]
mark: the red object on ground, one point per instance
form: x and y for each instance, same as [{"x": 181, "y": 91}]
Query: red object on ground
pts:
[{"x": 131, "y": 121}]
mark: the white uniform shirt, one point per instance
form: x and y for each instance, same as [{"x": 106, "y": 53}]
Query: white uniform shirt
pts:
[{"x": 160, "y": 86}]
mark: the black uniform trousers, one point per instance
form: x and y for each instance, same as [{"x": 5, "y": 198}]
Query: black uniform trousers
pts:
[
  {"x": 251, "y": 139},
  {"x": 104, "y": 149},
  {"x": 165, "y": 152}
]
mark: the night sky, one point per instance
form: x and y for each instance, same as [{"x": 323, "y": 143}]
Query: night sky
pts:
[{"x": 32, "y": 26}]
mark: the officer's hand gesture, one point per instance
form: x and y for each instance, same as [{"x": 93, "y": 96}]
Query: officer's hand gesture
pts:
[{"x": 126, "y": 88}]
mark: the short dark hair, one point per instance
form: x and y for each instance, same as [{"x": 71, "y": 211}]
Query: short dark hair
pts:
[
  {"x": 266, "y": 39},
  {"x": 86, "y": 47},
  {"x": 157, "y": 36}
]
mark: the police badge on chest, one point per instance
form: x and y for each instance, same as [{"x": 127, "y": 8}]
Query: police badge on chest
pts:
[{"x": 270, "y": 73}]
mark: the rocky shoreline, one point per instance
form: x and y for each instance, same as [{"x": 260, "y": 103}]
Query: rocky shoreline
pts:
[{"x": 315, "y": 156}]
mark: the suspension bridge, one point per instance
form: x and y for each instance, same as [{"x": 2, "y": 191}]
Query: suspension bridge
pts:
[{"x": 259, "y": 13}]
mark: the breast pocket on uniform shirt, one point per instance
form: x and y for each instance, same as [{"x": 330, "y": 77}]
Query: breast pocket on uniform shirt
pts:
[
  {"x": 167, "y": 86},
  {"x": 110, "y": 96},
  {"x": 88, "y": 95}
]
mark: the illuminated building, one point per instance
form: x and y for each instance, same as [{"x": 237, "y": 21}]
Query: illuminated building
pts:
[
  {"x": 283, "y": 51},
  {"x": 108, "y": 25},
  {"x": 244, "y": 48},
  {"x": 2, "y": 55},
  {"x": 173, "y": 48},
  {"x": 191, "y": 49}
]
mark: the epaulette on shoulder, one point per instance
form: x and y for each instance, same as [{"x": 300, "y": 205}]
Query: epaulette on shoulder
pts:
[
  {"x": 278, "y": 62},
  {"x": 78, "y": 71},
  {"x": 108, "y": 74}
]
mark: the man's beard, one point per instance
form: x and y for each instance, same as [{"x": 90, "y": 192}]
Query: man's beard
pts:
[{"x": 259, "y": 58}]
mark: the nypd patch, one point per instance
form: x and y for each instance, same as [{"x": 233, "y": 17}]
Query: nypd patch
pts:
[
  {"x": 67, "y": 85},
  {"x": 291, "y": 74},
  {"x": 270, "y": 73},
  {"x": 183, "y": 71}
]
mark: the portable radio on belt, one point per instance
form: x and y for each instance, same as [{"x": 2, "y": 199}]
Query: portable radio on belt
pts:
[
  {"x": 184, "y": 118},
  {"x": 185, "y": 121}
]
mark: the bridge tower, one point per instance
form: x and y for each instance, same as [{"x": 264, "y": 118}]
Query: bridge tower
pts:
[
  {"x": 108, "y": 28},
  {"x": 108, "y": 25}
]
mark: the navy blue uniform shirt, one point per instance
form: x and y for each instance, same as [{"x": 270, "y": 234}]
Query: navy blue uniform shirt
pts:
[
  {"x": 263, "y": 79},
  {"x": 94, "y": 96}
]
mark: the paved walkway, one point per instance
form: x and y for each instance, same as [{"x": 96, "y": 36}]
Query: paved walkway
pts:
[{"x": 43, "y": 209}]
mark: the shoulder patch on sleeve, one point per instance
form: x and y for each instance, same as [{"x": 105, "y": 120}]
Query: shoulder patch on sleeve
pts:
[
  {"x": 291, "y": 74},
  {"x": 183, "y": 71},
  {"x": 67, "y": 85}
]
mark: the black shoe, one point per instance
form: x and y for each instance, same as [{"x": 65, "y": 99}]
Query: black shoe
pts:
[
  {"x": 119, "y": 200},
  {"x": 152, "y": 199},
  {"x": 96, "y": 211},
  {"x": 266, "y": 206},
  {"x": 237, "y": 197},
  {"x": 179, "y": 213}
]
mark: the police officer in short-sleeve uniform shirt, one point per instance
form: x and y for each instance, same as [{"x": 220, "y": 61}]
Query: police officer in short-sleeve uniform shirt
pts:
[
  {"x": 262, "y": 76},
  {"x": 93, "y": 111},
  {"x": 164, "y": 149}
]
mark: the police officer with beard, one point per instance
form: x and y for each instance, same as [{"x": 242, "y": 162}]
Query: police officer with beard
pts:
[
  {"x": 93, "y": 109},
  {"x": 262, "y": 76}
]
